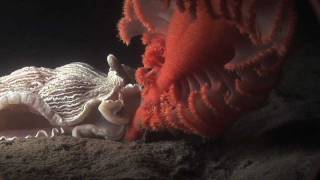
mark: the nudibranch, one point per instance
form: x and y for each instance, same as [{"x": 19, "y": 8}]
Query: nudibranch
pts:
[
  {"x": 74, "y": 98},
  {"x": 206, "y": 61}
]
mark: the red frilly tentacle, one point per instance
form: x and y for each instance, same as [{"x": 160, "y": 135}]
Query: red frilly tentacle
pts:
[{"x": 206, "y": 61}]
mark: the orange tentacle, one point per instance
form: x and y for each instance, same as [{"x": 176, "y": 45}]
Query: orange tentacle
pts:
[{"x": 206, "y": 61}]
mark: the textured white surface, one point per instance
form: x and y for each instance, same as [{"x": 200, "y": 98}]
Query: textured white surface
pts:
[{"x": 67, "y": 95}]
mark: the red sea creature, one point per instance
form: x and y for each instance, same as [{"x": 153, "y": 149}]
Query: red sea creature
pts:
[{"x": 206, "y": 61}]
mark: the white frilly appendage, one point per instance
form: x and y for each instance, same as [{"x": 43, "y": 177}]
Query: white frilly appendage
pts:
[{"x": 73, "y": 99}]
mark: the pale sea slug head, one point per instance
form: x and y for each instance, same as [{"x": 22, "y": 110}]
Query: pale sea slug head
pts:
[{"x": 74, "y": 99}]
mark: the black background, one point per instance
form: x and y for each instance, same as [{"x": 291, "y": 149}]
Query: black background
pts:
[{"x": 52, "y": 33}]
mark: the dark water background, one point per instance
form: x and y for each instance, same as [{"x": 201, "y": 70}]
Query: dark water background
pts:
[{"x": 54, "y": 32}]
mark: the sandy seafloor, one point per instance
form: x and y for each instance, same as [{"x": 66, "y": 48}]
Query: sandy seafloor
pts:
[{"x": 280, "y": 141}]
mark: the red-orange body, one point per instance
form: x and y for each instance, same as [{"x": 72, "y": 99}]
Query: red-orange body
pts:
[{"x": 206, "y": 62}]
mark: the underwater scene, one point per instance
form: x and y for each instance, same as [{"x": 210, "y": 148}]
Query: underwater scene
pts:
[{"x": 160, "y": 89}]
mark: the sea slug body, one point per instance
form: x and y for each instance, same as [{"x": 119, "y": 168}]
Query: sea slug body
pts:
[{"x": 74, "y": 98}]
